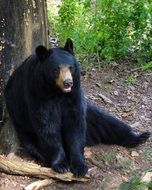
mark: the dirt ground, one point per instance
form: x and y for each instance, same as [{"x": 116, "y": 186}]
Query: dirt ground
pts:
[{"x": 127, "y": 94}]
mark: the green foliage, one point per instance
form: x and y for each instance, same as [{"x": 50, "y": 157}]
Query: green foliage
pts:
[
  {"x": 109, "y": 29},
  {"x": 108, "y": 157},
  {"x": 148, "y": 154},
  {"x": 135, "y": 183},
  {"x": 131, "y": 79},
  {"x": 67, "y": 18},
  {"x": 124, "y": 162},
  {"x": 147, "y": 66}
]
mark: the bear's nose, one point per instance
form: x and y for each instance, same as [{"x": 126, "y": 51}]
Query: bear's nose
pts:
[{"x": 68, "y": 83}]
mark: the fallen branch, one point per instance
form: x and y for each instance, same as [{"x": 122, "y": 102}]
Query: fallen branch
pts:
[
  {"x": 25, "y": 168},
  {"x": 38, "y": 184},
  {"x": 105, "y": 98}
]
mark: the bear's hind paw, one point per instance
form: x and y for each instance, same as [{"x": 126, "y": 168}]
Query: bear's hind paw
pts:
[
  {"x": 143, "y": 137},
  {"x": 140, "y": 139}
]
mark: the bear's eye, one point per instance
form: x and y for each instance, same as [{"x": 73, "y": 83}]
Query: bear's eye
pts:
[
  {"x": 57, "y": 71},
  {"x": 71, "y": 68}
]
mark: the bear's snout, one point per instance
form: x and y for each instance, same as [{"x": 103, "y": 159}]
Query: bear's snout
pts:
[
  {"x": 68, "y": 83},
  {"x": 65, "y": 80}
]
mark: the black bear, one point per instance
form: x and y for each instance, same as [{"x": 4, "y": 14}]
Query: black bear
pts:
[{"x": 53, "y": 119}]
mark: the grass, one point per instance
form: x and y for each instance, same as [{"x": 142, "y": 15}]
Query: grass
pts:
[
  {"x": 131, "y": 79},
  {"x": 108, "y": 87},
  {"x": 147, "y": 67},
  {"x": 108, "y": 157},
  {"x": 148, "y": 154},
  {"x": 104, "y": 183},
  {"x": 135, "y": 183},
  {"x": 124, "y": 162}
]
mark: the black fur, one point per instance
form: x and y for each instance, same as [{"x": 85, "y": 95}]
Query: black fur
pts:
[
  {"x": 104, "y": 128},
  {"x": 54, "y": 126}
]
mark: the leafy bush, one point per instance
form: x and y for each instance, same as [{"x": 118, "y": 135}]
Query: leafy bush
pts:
[{"x": 109, "y": 29}]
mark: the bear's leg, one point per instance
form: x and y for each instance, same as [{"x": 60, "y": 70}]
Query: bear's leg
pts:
[
  {"x": 54, "y": 153},
  {"x": 74, "y": 129},
  {"x": 29, "y": 142},
  {"x": 45, "y": 117},
  {"x": 104, "y": 128},
  {"x": 44, "y": 147},
  {"x": 43, "y": 152}
]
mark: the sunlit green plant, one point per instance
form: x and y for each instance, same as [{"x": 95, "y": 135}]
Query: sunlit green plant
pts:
[{"x": 108, "y": 29}]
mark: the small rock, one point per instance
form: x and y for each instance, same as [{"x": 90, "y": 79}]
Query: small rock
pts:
[
  {"x": 87, "y": 152},
  {"x": 147, "y": 177},
  {"x": 113, "y": 63},
  {"x": 132, "y": 88},
  {"x": 116, "y": 93},
  {"x": 134, "y": 154},
  {"x": 136, "y": 124},
  {"x": 98, "y": 84},
  {"x": 110, "y": 81},
  {"x": 129, "y": 97},
  {"x": 145, "y": 85},
  {"x": 93, "y": 69}
]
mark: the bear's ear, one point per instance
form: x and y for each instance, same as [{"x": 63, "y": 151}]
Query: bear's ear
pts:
[
  {"x": 42, "y": 53},
  {"x": 69, "y": 46}
]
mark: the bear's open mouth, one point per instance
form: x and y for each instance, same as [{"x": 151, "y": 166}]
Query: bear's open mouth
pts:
[{"x": 67, "y": 88}]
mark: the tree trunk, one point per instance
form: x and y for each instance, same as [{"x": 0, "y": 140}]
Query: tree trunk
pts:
[{"x": 23, "y": 26}]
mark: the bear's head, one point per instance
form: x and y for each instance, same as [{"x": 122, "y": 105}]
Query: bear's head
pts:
[{"x": 59, "y": 65}]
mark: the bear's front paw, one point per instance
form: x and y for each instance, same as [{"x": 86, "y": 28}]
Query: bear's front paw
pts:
[
  {"x": 79, "y": 168},
  {"x": 61, "y": 167}
]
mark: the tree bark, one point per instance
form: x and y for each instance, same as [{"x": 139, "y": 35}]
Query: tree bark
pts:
[{"x": 23, "y": 26}]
